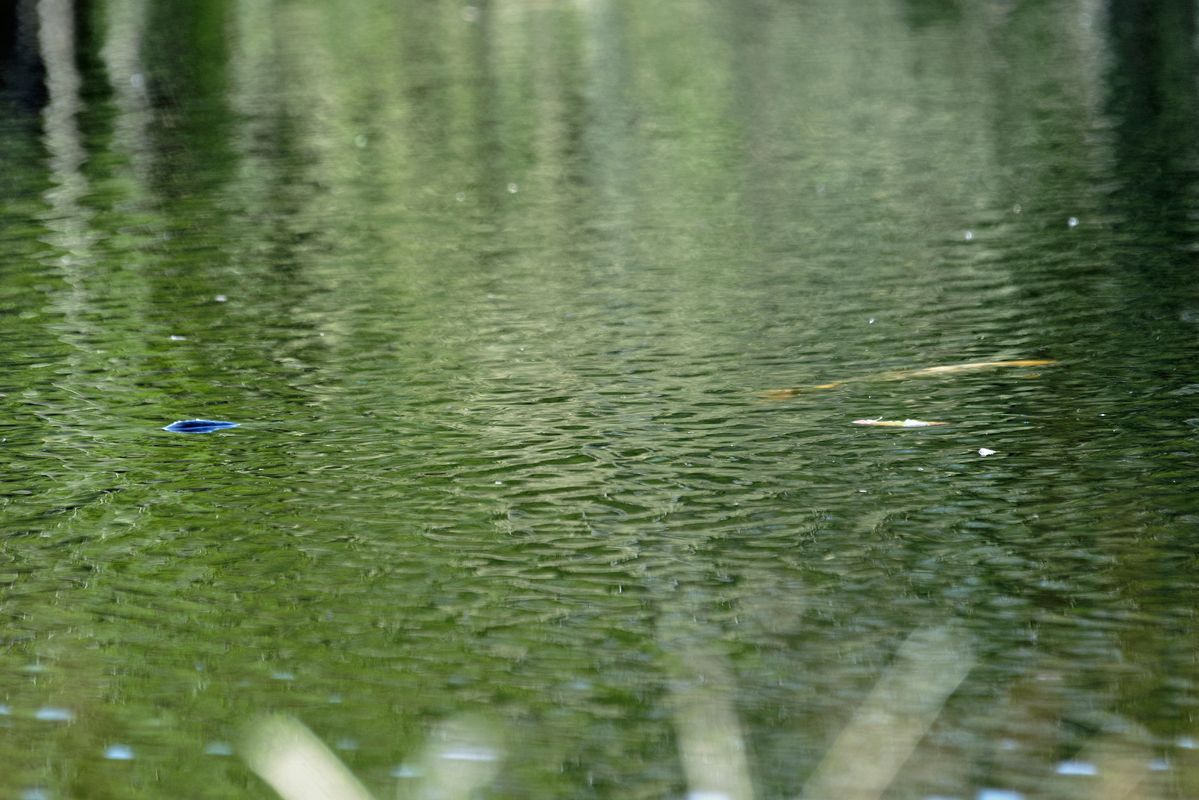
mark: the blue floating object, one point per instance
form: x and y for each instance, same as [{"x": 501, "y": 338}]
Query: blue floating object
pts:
[{"x": 198, "y": 426}]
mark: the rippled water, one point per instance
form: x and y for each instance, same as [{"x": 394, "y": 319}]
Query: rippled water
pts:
[{"x": 497, "y": 296}]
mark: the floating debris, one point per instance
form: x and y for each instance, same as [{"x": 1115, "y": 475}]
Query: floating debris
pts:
[
  {"x": 900, "y": 375},
  {"x": 986, "y": 451},
  {"x": 53, "y": 714},
  {"x": 199, "y": 426},
  {"x": 897, "y": 423},
  {"x": 119, "y": 752},
  {"x": 1077, "y": 768}
]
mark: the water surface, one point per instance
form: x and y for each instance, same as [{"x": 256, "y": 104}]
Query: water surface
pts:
[{"x": 495, "y": 292}]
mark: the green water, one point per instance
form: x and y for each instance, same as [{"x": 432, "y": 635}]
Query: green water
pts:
[{"x": 495, "y": 292}]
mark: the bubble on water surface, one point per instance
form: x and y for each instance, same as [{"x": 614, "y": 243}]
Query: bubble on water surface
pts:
[
  {"x": 218, "y": 749},
  {"x": 470, "y": 754},
  {"x": 1072, "y": 222},
  {"x": 119, "y": 752},
  {"x": 1077, "y": 768},
  {"x": 54, "y": 714},
  {"x": 969, "y": 236}
]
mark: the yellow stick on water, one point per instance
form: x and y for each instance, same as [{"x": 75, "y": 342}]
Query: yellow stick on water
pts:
[{"x": 900, "y": 375}]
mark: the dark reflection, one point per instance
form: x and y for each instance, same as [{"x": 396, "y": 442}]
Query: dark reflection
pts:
[
  {"x": 923, "y": 13},
  {"x": 1152, "y": 98},
  {"x": 21, "y": 73}
]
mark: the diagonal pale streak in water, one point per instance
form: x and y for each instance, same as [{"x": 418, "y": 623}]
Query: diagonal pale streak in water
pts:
[{"x": 904, "y": 374}]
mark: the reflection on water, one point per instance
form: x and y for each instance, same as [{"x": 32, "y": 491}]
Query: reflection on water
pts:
[{"x": 495, "y": 291}]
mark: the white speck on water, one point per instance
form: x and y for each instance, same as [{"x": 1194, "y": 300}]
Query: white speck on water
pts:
[
  {"x": 1016, "y": 209},
  {"x": 985, "y": 451},
  {"x": 969, "y": 236},
  {"x": 220, "y": 298},
  {"x": 460, "y": 197},
  {"x": 36, "y": 793},
  {"x": 1077, "y": 768},
  {"x": 1072, "y": 222},
  {"x": 405, "y": 771},
  {"x": 870, "y": 321},
  {"x": 704, "y": 794},
  {"x": 499, "y": 483},
  {"x": 177, "y": 338},
  {"x": 513, "y": 188},
  {"x": 1159, "y": 765},
  {"x": 360, "y": 141},
  {"x": 119, "y": 752},
  {"x": 5, "y": 710},
  {"x": 1187, "y": 743},
  {"x": 470, "y": 754},
  {"x": 346, "y": 744},
  {"x": 218, "y": 749},
  {"x": 334, "y": 700},
  {"x": 283, "y": 676},
  {"x": 138, "y": 81},
  {"x": 54, "y": 714},
  {"x": 998, "y": 794}
]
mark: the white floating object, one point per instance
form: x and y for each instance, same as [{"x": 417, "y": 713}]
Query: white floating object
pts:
[
  {"x": 895, "y": 423},
  {"x": 1077, "y": 768},
  {"x": 52, "y": 714},
  {"x": 985, "y": 451},
  {"x": 998, "y": 794},
  {"x": 470, "y": 754},
  {"x": 1072, "y": 222},
  {"x": 119, "y": 752},
  {"x": 218, "y": 749}
]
